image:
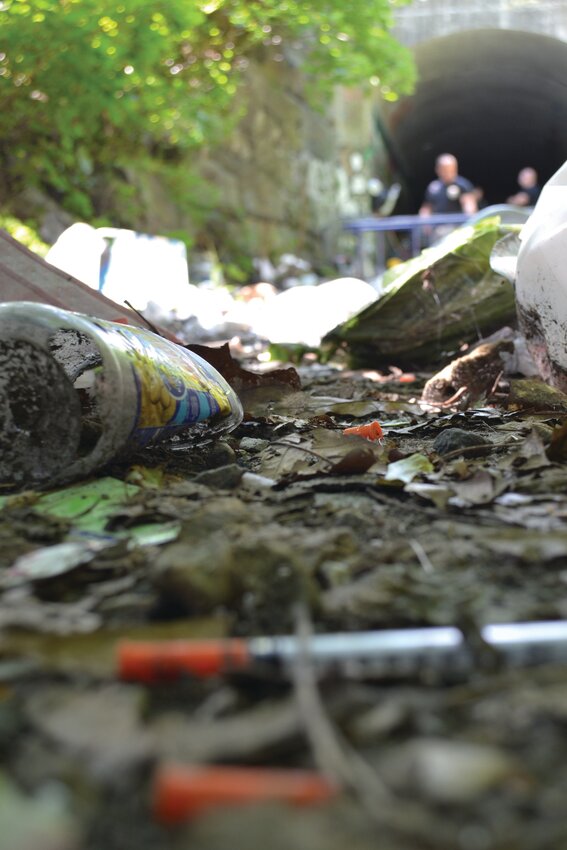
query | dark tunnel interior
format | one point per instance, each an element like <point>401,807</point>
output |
<point>497,99</point>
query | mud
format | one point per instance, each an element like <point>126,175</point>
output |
<point>40,415</point>
<point>75,352</point>
<point>551,371</point>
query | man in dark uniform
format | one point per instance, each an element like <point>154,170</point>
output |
<point>450,193</point>
<point>529,189</point>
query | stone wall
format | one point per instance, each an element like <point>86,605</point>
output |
<point>285,176</point>
<point>426,19</point>
<point>283,181</point>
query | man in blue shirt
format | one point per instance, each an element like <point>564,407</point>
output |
<point>529,189</point>
<point>450,193</point>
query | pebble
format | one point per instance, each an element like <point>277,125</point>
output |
<point>253,444</point>
<point>223,477</point>
<point>452,439</point>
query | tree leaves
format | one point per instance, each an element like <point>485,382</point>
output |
<point>115,84</point>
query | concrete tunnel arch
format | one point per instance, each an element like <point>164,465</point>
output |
<point>497,99</point>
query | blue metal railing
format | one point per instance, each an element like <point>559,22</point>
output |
<point>415,224</point>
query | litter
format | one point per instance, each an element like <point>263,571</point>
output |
<point>385,653</point>
<point>371,431</point>
<point>76,392</point>
<point>123,264</point>
<point>305,314</point>
<point>431,304</point>
<point>24,276</point>
<point>183,791</point>
<point>541,281</point>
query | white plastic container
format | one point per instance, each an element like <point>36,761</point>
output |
<point>541,281</point>
<point>77,392</point>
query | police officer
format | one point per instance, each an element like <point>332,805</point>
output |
<point>450,193</point>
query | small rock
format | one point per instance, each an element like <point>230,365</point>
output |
<point>198,576</point>
<point>41,820</point>
<point>445,771</point>
<point>452,439</point>
<point>253,445</point>
<point>221,478</point>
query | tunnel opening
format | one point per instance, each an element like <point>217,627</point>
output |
<point>497,99</point>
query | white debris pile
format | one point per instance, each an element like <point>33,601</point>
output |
<point>126,266</point>
<point>78,251</point>
<point>305,314</point>
<point>290,305</point>
<point>288,272</point>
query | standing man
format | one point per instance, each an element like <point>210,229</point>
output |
<point>529,189</point>
<point>450,193</point>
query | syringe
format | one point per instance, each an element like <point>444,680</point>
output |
<point>380,653</point>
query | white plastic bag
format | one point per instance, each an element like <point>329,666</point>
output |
<point>541,281</point>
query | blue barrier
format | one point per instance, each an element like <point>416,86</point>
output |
<point>389,224</point>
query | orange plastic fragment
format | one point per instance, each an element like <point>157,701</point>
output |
<point>184,791</point>
<point>371,431</point>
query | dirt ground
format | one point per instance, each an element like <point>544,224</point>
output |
<point>456,517</point>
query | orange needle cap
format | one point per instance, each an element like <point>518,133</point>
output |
<point>181,792</point>
<point>154,661</point>
<point>371,431</point>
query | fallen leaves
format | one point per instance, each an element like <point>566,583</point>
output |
<point>288,509</point>
<point>239,378</point>
<point>408,468</point>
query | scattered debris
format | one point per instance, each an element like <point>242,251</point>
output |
<point>181,792</point>
<point>432,304</point>
<point>304,314</point>
<point>449,522</point>
<point>24,276</point>
<point>371,431</point>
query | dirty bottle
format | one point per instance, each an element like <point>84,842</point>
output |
<point>77,392</point>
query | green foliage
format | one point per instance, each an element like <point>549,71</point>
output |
<point>237,273</point>
<point>87,85</point>
<point>24,233</point>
